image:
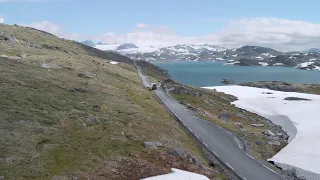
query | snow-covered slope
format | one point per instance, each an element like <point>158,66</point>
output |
<point>177,174</point>
<point>309,66</point>
<point>185,52</point>
<point>304,150</point>
<point>192,52</point>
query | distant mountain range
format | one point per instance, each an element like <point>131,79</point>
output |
<point>244,56</point>
<point>88,43</point>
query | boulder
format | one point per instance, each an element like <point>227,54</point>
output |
<point>259,143</point>
<point>81,90</point>
<point>188,105</point>
<point>158,144</point>
<point>224,116</point>
<point>241,116</point>
<point>227,81</point>
<point>279,134</point>
<point>277,143</point>
<point>152,145</point>
<point>83,75</point>
<point>3,38</point>
<point>239,124</point>
<point>266,92</point>
<point>59,178</point>
<point>271,133</point>
<point>149,145</point>
<point>194,109</point>
<point>296,99</point>
<point>257,125</point>
<point>97,106</point>
<point>291,175</point>
<point>244,130</point>
<point>180,153</point>
<point>92,120</point>
<point>268,133</point>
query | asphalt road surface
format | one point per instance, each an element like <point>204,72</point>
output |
<point>220,142</point>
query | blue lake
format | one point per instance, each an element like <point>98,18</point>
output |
<point>211,73</point>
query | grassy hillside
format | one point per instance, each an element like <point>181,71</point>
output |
<point>66,112</point>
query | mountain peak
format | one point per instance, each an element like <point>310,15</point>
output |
<point>100,43</point>
<point>314,50</point>
<point>127,46</point>
<point>88,43</point>
<point>257,49</point>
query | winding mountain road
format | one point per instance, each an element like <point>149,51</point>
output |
<point>220,142</point>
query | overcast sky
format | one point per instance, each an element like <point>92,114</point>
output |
<point>284,25</point>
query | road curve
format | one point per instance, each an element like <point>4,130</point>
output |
<point>220,142</point>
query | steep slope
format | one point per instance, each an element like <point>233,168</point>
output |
<point>66,112</point>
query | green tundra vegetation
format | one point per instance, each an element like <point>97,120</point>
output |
<point>66,112</point>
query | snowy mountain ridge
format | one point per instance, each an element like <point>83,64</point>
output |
<point>243,56</point>
<point>189,52</point>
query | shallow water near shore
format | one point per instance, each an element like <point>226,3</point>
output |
<point>211,73</point>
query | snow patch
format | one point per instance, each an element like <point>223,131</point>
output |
<point>177,174</point>
<point>278,64</point>
<point>114,62</point>
<point>265,54</point>
<point>259,57</point>
<point>304,150</point>
<point>107,47</point>
<point>150,59</point>
<point>232,62</point>
<point>304,65</point>
<point>146,49</point>
<point>307,66</point>
<point>263,64</point>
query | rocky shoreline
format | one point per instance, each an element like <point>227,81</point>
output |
<point>285,87</point>
<point>302,65</point>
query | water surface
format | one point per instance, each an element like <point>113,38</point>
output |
<point>211,73</point>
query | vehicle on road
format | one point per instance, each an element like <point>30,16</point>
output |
<point>153,86</point>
